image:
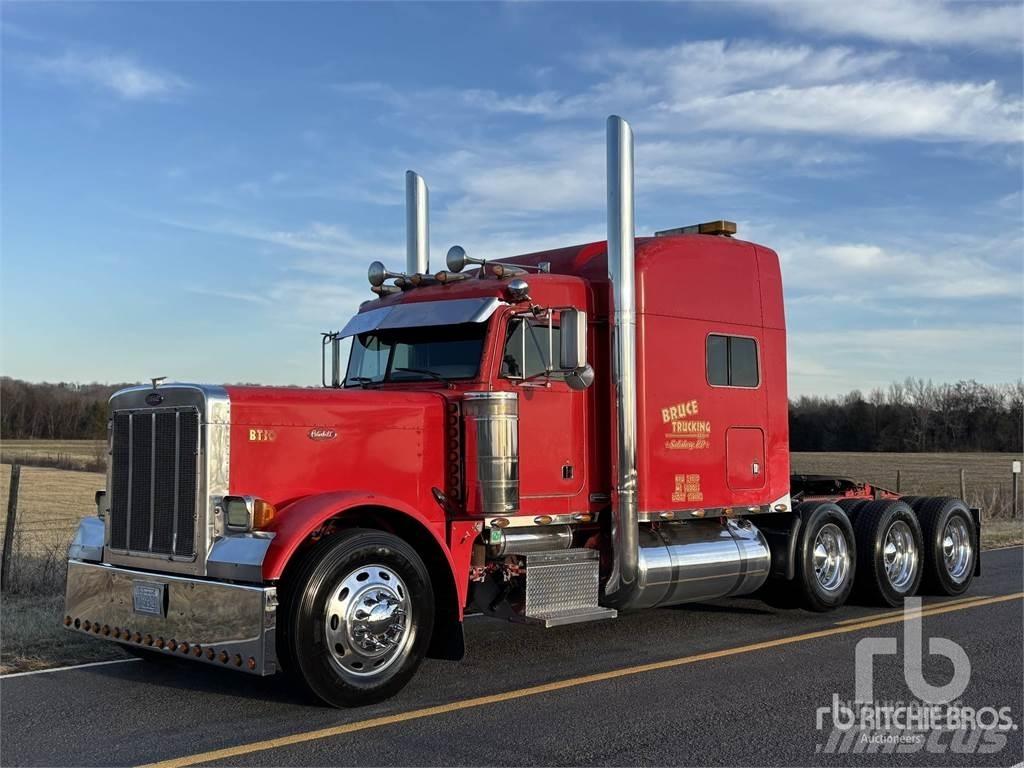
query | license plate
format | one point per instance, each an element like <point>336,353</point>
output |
<point>148,598</point>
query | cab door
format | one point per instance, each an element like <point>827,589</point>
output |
<point>552,419</point>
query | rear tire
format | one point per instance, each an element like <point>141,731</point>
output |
<point>889,552</point>
<point>359,617</point>
<point>852,506</point>
<point>826,556</point>
<point>950,545</point>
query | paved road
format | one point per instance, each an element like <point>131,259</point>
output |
<point>734,682</point>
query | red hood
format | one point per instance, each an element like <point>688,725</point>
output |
<point>289,443</point>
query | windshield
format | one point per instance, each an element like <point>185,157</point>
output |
<point>436,352</point>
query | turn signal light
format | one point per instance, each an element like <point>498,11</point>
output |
<point>248,513</point>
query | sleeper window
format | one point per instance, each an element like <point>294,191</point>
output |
<point>732,361</point>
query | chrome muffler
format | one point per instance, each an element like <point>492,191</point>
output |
<point>690,562</point>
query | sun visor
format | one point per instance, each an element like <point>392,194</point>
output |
<point>422,313</point>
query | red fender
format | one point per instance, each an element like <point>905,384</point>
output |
<point>299,520</point>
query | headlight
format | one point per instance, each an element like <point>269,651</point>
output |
<point>247,513</point>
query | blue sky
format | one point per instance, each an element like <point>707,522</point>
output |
<point>195,190</point>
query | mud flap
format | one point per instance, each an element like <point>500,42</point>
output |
<point>976,514</point>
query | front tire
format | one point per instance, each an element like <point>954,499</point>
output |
<point>359,618</point>
<point>889,552</point>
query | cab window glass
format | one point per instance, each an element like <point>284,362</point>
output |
<point>526,349</point>
<point>732,361</point>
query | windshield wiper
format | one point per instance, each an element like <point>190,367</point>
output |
<point>425,372</point>
<point>362,381</point>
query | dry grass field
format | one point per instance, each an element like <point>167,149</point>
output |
<point>987,475</point>
<point>63,454</point>
<point>51,501</point>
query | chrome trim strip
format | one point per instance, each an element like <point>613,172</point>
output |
<point>131,465</point>
<point>523,521</point>
<point>698,513</point>
<point>177,468</point>
<point>152,476</point>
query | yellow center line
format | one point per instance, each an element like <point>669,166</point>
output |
<point>899,612</point>
<point>572,682</point>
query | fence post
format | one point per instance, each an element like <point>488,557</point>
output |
<point>963,484</point>
<point>1016,474</point>
<point>12,512</point>
<point>898,483</point>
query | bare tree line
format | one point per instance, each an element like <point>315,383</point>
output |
<point>63,411</point>
<point>911,416</point>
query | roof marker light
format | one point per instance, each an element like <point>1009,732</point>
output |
<point>719,227</point>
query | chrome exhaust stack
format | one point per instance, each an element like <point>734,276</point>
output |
<point>686,562</point>
<point>417,225</point>
<point>622,581</point>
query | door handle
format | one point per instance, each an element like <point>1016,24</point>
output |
<point>755,468</point>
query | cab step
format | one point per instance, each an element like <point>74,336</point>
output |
<point>562,588</point>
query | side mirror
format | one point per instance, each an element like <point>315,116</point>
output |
<point>573,354</point>
<point>580,378</point>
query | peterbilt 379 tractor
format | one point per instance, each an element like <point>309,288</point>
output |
<point>547,439</point>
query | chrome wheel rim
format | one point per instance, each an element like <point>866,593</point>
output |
<point>831,558</point>
<point>899,556</point>
<point>957,549</point>
<point>368,622</point>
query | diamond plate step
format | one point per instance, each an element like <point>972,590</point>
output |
<point>562,588</point>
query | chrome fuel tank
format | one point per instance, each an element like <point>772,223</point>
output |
<point>701,560</point>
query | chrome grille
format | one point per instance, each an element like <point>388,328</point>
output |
<point>154,481</point>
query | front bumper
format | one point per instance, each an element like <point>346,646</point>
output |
<point>229,625</point>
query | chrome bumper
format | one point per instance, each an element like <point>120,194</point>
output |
<point>229,625</point>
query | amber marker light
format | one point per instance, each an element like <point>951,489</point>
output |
<point>248,513</point>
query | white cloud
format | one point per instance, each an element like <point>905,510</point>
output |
<point>120,74</point>
<point>907,109</point>
<point>917,22</point>
<point>934,271</point>
<point>749,87</point>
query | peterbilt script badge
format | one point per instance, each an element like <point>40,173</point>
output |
<point>154,398</point>
<point>322,433</point>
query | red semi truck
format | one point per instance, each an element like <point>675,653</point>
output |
<point>547,439</point>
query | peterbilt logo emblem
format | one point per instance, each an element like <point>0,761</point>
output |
<point>322,433</point>
<point>154,398</point>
